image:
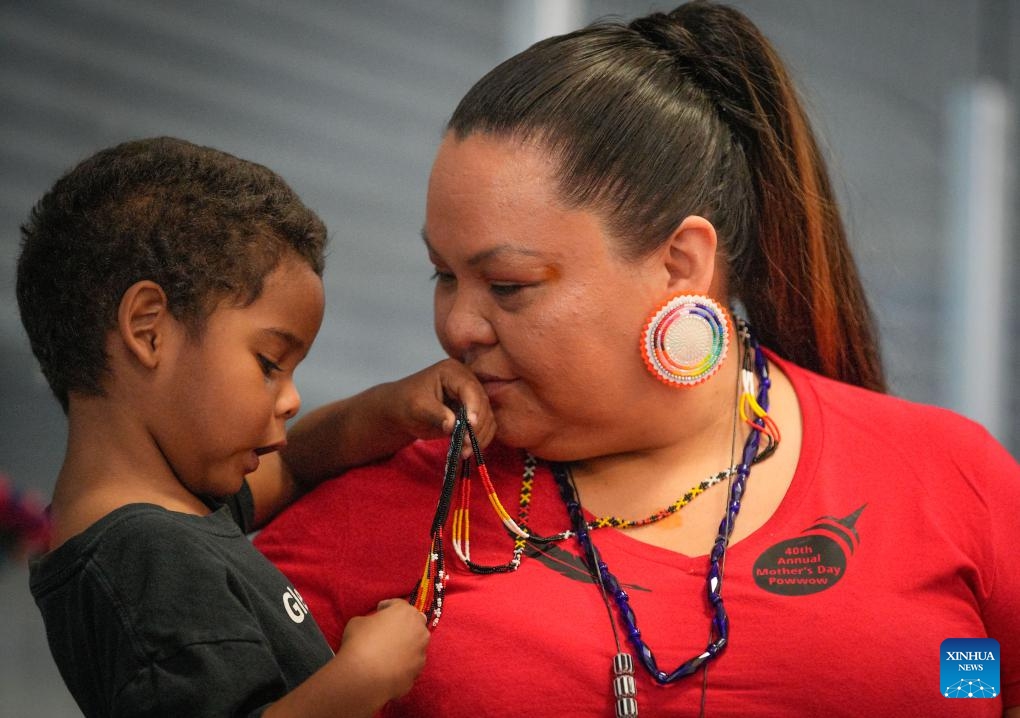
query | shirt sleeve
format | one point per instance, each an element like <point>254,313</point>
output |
<point>304,542</point>
<point>182,684</point>
<point>1001,477</point>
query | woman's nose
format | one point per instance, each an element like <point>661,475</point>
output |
<point>461,324</point>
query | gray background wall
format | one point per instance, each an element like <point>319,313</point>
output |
<point>347,101</point>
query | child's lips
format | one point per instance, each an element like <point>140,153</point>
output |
<point>252,461</point>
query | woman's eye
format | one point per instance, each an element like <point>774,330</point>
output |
<point>441,277</point>
<point>268,366</point>
<point>506,290</point>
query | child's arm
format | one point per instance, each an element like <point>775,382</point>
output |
<point>368,426</point>
<point>379,659</point>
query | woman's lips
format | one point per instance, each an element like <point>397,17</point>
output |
<point>494,385</point>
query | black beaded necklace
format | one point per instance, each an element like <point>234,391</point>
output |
<point>428,595</point>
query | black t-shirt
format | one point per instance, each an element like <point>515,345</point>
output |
<point>157,613</point>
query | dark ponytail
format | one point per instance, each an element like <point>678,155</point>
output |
<point>692,112</point>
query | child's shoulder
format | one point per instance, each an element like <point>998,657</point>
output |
<point>141,523</point>
<point>153,606</point>
<point>134,539</point>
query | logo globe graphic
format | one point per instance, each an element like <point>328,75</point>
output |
<point>970,688</point>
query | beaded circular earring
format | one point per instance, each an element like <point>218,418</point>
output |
<point>685,340</point>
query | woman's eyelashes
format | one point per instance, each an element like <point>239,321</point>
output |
<point>507,289</point>
<point>440,276</point>
<point>501,289</point>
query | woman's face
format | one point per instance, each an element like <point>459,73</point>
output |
<point>536,300</point>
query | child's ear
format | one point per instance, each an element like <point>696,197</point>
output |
<point>143,320</point>
<point>690,256</point>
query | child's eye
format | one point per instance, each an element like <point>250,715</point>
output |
<point>268,366</point>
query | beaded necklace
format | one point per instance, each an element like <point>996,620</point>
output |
<point>602,522</point>
<point>519,529</point>
<point>623,684</point>
<point>750,411</point>
<point>428,594</point>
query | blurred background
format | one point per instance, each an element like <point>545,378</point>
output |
<point>914,100</point>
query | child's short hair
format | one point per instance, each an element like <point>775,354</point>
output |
<point>203,224</point>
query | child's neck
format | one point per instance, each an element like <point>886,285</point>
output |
<point>111,461</point>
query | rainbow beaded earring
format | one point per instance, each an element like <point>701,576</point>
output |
<point>685,341</point>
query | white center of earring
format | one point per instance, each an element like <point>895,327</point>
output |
<point>689,340</point>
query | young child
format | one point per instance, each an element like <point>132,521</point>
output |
<point>169,291</point>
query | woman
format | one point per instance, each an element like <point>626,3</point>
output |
<point>755,531</point>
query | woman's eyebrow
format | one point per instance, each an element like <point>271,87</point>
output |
<point>486,254</point>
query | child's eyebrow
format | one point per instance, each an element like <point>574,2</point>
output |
<point>290,338</point>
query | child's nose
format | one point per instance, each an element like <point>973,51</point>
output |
<point>289,401</point>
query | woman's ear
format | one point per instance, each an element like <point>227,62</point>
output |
<point>143,321</point>
<point>689,256</point>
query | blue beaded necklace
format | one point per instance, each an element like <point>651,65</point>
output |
<point>608,583</point>
<point>428,595</point>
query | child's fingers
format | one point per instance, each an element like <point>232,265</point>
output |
<point>425,416</point>
<point>402,602</point>
<point>485,429</point>
<point>460,384</point>
<point>445,419</point>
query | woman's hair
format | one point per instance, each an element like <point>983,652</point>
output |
<point>203,224</point>
<point>692,112</point>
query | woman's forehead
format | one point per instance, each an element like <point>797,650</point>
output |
<point>507,168</point>
<point>493,196</point>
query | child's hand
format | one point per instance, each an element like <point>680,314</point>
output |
<point>388,646</point>
<point>375,423</point>
<point>422,402</point>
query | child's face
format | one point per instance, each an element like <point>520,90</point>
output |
<point>227,395</point>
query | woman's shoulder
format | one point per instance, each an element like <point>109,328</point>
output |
<point>877,419</point>
<point>409,478</point>
<point>420,463</point>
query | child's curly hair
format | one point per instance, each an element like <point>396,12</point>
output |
<point>203,224</point>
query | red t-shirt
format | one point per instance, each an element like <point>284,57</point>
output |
<point>897,532</point>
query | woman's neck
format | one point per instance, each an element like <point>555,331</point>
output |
<point>709,438</point>
<point>688,429</point>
